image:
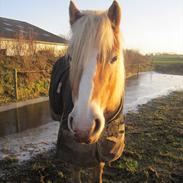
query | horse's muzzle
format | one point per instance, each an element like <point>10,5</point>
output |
<point>84,138</point>
<point>87,135</point>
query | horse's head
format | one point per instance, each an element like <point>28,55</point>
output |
<point>96,70</point>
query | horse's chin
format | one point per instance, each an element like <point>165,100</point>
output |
<point>90,140</point>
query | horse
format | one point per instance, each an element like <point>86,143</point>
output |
<point>91,92</point>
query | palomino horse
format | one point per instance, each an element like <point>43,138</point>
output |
<point>92,129</point>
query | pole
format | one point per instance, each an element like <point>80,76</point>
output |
<point>15,85</point>
<point>138,69</point>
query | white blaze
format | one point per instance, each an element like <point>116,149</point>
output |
<point>85,110</point>
<point>83,115</point>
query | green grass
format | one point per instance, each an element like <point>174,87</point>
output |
<point>167,59</point>
<point>168,64</point>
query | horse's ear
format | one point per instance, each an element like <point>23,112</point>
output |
<point>114,14</point>
<point>74,13</point>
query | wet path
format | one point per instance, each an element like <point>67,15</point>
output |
<point>149,85</point>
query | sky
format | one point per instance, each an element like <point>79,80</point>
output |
<point>150,26</point>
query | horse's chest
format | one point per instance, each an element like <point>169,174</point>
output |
<point>108,148</point>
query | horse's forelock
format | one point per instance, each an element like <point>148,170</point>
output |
<point>93,30</point>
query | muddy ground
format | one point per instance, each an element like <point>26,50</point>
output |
<point>153,152</point>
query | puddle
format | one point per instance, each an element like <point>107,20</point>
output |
<point>149,85</point>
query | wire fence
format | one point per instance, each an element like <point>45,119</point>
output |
<point>137,68</point>
<point>12,78</point>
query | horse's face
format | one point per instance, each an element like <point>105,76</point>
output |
<point>97,72</point>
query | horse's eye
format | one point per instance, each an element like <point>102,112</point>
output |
<point>114,59</point>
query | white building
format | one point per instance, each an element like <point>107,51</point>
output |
<point>21,38</point>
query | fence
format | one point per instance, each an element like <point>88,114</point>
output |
<point>137,68</point>
<point>16,79</point>
<point>132,69</point>
<point>13,73</point>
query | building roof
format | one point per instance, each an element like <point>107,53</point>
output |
<point>12,29</point>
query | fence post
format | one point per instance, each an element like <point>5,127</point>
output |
<point>15,84</point>
<point>138,69</point>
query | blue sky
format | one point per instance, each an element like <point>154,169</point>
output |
<point>148,26</point>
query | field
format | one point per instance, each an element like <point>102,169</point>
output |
<point>153,152</point>
<point>165,58</point>
<point>168,64</point>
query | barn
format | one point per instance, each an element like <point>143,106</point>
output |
<point>22,38</point>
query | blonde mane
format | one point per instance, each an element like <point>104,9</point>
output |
<point>92,31</point>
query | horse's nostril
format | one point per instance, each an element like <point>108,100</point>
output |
<point>96,126</point>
